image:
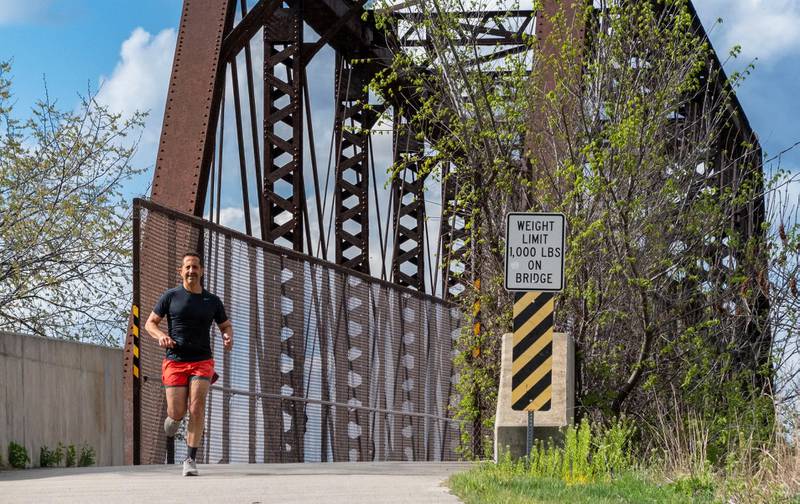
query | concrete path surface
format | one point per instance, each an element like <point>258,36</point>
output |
<point>355,483</point>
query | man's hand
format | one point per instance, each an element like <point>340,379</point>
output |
<point>226,329</point>
<point>165,341</point>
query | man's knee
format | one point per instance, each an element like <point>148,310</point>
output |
<point>197,408</point>
<point>176,407</point>
<point>176,411</point>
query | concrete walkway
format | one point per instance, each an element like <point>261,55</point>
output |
<point>341,483</point>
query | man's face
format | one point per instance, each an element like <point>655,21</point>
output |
<point>191,271</point>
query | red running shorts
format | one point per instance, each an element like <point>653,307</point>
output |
<point>178,374</point>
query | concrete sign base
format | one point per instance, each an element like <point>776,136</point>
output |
<point>510,427</point>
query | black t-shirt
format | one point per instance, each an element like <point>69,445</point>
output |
<point>189,318</point>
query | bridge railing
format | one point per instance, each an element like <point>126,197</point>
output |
<point>328,364</point>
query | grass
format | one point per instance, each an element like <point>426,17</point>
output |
<point>487,484</point>
<point>597,465</point>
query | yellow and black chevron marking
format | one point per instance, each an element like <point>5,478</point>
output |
<point>531,371</point>
<point>135,330</point>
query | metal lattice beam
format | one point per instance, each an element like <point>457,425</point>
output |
<point>283,128</point>
<point>487,28</point>
<point>352,123</point>
<point>454,236</point>
<point>408,261</point>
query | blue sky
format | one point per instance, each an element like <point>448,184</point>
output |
<point>124,49</point>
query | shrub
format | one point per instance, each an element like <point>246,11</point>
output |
<point>70,456</point>
<point>17,455</point>
<point>586,456</point>
<point>51,458</point>
<point>59,453</point>
<point>87,457</point>
<point>612,454</point>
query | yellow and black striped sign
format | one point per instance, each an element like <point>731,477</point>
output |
<point>532,367</point>
<point>135,330</point>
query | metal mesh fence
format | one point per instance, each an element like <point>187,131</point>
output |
<point>328,364</point>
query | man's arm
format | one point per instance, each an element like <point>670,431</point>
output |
<point>164,341</point>
<point>226,328</point>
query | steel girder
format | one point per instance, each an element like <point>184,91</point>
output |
<point>207,40</point>
<point>283,127</point>
<point>193,98</point>
<point>197,85</point>
<point>408,186</point>
<point>352,122</point>
<point>454,236</point>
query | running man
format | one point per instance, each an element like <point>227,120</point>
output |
<point>188,369</point>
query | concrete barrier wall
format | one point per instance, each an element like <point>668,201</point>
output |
<point>55,391</point>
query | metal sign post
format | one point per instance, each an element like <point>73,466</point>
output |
<point>535,271</point>
<point>530,434</point>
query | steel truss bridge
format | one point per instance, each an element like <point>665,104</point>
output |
<point>273,164</point>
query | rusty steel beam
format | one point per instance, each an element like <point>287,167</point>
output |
<point>247,27</point>
<point>453,236</point>
<point>473,22</point>
<point>355,36</point>
<point>338,22</point>
<point>283,128</point>
<point>284,196</point>
<point>408,186</point>
<point>207,38</point>
<point>352,122</point>
<point>193,98</point>
<point>325,37</point>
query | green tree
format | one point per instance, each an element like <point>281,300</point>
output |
<point>668,296</point>
<point>64,227</point>
<point>471,108</point>
<point>623,120</point>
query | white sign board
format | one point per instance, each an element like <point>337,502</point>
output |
<point>535,251</point>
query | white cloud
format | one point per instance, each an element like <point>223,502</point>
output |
<point>16,11</point>
<point>233,218</point>
<point>766,29</point>
<point>139,83</point>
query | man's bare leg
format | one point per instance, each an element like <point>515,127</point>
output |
<point>198,390</point>
<point>176,408</point>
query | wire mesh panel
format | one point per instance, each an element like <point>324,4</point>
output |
<point>328,364</point>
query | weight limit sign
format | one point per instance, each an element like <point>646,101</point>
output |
<point>535,252</point>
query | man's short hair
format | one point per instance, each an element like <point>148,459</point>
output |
<point>193,254</point>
